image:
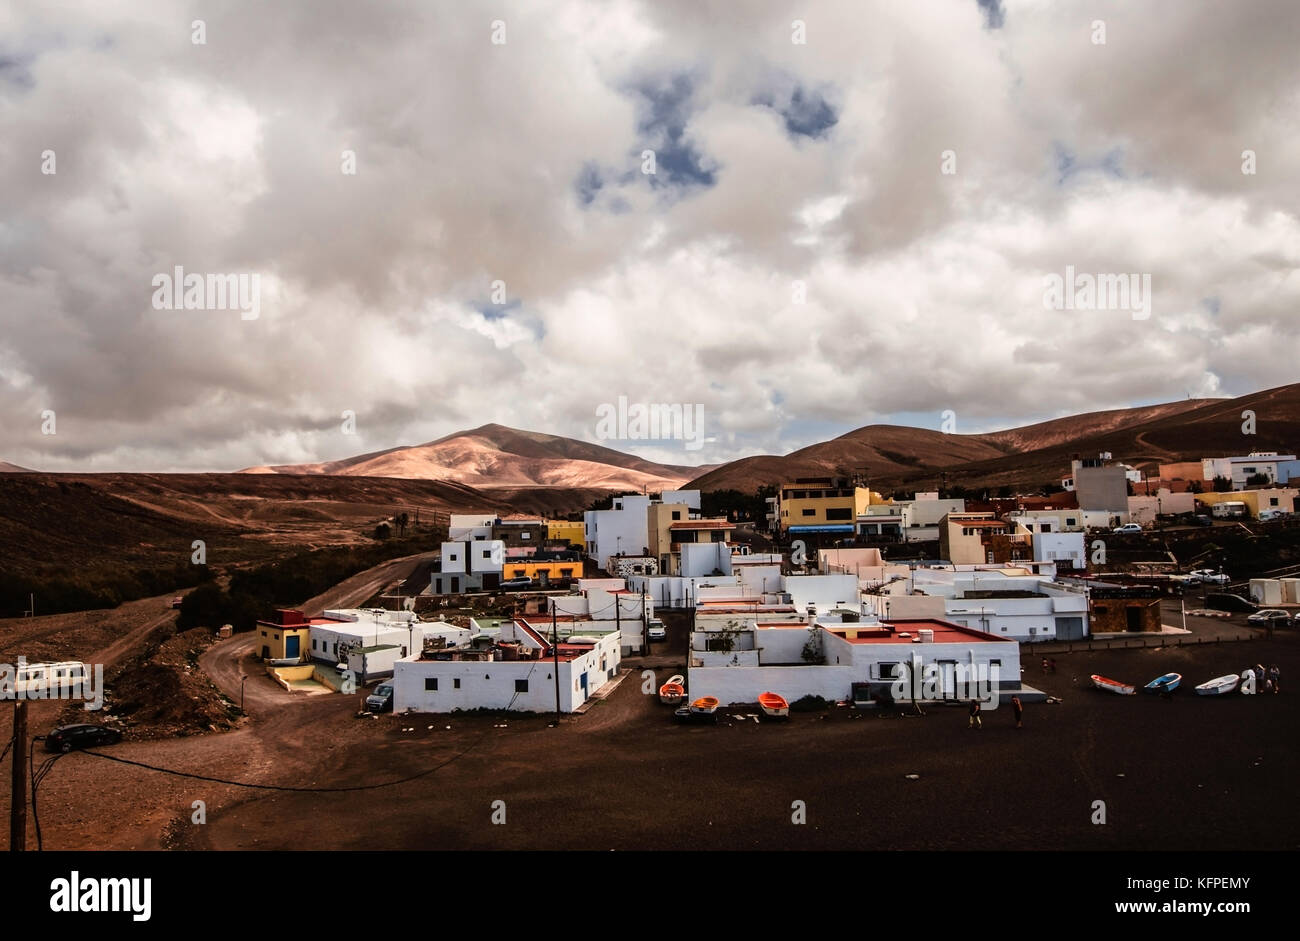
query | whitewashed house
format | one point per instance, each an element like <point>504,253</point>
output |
<point>516,669</point>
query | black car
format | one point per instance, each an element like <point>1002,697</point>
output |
<point>1200,520</point>
<point>67,737</point>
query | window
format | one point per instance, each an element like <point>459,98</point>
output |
<point>431,683</point>
<point>456,683</point>
<point>809,512</point>
<point>525,535</point>
<point>452,557</point>
<point>839,513</point>
<point>521,686</point>
<point>263,633</point>
<point>886,670</point>
<point>677,514</point>
<point>487,553</point>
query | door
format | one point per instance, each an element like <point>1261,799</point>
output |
<point>584,686</point>
<point>1069,628</point>
<point>291,646</point>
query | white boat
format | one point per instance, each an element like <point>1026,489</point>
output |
<point>1112,686</point>
<point>1219,686</point>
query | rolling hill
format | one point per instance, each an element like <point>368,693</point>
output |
<point>892,456</point>
<point>494,456</point>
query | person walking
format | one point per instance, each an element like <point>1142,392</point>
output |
<point>1044,664</point>
<point>974,722</point>
<point>1018,711</point>
<point>1275,675</point>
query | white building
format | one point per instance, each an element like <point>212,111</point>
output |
<point>467,527</point>
<point>1012,602</point>
<point>1240,469</point>
<point>850,660</point>
<point>624,529</point>
<point>367,640</point>
<point>516,670</point>
<point>611,603</point>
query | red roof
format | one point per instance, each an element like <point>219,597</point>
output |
<point>945,632</point>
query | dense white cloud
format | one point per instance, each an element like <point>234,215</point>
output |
<point>521,163</point>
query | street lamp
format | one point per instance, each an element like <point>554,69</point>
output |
<point>243,678</point>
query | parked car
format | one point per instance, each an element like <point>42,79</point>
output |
<point>655,630</point>
<point>177,602</point>
<point>1127,528</point>
<point>1266,615</point>
<point>1201,519</point>
<point>381,700</point>
<point>1210,576</point>
<point>1226,601</point>
<point>522,581</point>
<point>67,737</point>
<point>1266,515</point>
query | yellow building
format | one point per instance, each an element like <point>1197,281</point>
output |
<point>285,638</point>
<point>962,537</point>
<point>574,533</point>
<point>1274,498</point>
<point>526,568</point>
<point>659,520</point>
<point>824,501</point>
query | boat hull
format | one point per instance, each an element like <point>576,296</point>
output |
<point>1167,683</point>
<point>1112,686</point>
<point>774,706</point>
<point>705,704</point>
<point>1219,686</point>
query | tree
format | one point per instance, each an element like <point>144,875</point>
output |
<point>1222,485</point>
<point>1258,480</point>
<point>382,531</point>
<point>402,520</point>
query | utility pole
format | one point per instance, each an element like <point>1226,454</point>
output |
<point>555,653</point>
<point>618,622</point>
<point>18,793</point>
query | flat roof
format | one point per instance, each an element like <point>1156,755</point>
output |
<point>702,524</point>
<point>887,632</point>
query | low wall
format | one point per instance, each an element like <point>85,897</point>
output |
<point>742,685</point>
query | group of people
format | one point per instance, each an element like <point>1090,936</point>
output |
<point>1270,680</point>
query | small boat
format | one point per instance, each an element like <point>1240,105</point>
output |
<point>705,704</point>
<point>774,706</point>
<point>673,692</point>
<point>1219,686</point>
<point>1164,684</point>
<point>1112,686</point>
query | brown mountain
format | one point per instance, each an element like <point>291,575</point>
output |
<point>7,468</point>
<point>892,456</point>
<point>496,456</point>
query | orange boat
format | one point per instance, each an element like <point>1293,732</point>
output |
<point>707,704</point>
<point>774,706</point>
<point>673,692</point>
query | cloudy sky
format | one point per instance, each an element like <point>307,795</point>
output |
<point>799,262</point>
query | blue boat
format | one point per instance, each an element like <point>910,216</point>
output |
<point>1164,684</point>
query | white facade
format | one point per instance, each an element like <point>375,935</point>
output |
<point>1241,469</point>
<point>772,659</point>
<point>526,684</point>
<point>467,527</point>
<point>483,556</point>
<point>1053,611</point>
<point>624,529</point>
<point>621,530</point>
<point>357,628</point>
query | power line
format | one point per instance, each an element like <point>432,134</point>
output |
<point>289,787</point>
